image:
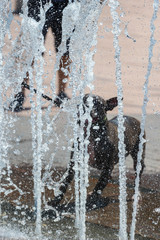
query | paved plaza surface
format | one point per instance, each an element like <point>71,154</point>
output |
<point>134,60</point>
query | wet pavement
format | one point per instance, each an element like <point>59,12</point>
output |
<point>61,123</point>
<point>104,213</point>
<point>102,222</point>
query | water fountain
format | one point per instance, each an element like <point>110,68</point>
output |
<point>23,205</point>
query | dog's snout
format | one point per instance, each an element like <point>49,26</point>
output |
<point>93,113</point>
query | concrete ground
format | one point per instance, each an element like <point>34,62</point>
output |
<point>107,214</point>
<point>134,59</point>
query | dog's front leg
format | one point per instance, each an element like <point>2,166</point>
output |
<point>101,184</point>
<point>64,184</point>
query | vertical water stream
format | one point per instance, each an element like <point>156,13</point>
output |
<point>121,146</point>
<point>143,120</point>
<point>82,31</point>
<point>3,23</point>
<point>85,15</point>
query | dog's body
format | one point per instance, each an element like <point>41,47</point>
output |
<point>103,144</point>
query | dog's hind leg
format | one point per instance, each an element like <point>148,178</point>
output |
<point>134,155</point>
<point>64,184</point>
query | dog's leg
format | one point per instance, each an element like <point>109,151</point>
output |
<point>101,184</point>
<point>64,184</point>
<point>142,161</point>
<point>134,155</point>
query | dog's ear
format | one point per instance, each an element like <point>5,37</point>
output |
<point>111,103</point>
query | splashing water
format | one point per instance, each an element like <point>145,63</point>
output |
<point>121,146</point>
<point>84,17</point>
<point>5,19</point>
<point>2,35</point>
<point>34,30</point>
<point>86,14</point>
<point>145,100</point>
<point>31,31</point>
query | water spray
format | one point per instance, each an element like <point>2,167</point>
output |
<point>122,167</point>
<point>145,100</point>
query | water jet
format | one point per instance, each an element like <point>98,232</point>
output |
<point>35,143</point>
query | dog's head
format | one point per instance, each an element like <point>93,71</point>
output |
<point>99,107</point>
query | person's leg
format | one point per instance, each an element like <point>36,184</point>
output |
<point>33,12</point>
<point>64,65</point>
<point>18,7</point>
<point>62,80</point>
<point>16,104</point>
<point>54,20</point>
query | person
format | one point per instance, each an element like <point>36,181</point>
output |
<point>18,7</point>
<point>53,20</point>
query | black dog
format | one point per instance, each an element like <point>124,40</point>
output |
<point>103,144</point>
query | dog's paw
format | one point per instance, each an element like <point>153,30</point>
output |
<point>96,201</point>
<point>53,203</point>
<point>92,200</point>
<point>56,201</point>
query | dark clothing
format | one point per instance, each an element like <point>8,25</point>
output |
<point>34,7</point>
<point>53,18</point>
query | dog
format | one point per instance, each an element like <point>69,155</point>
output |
<point>103,144</point>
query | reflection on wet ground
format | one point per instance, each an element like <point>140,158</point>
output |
<point>102,218</point>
